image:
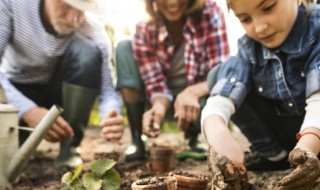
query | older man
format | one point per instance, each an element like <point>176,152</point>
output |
<point>52,53</point>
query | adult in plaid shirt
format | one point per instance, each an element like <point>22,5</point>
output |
<point>167,62</point>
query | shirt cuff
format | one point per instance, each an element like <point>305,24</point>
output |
<point>312,119</point>
<point>217,105</point>
<point>169,96</point>
<point>107,106</point>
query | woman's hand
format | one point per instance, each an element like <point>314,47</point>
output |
<point>153,118</point>
<point>112,126</point>
<point>306,175</point>
<point>59,131</point>
<point>186,108</point>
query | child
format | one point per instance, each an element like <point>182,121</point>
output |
<point>168,59</point>
<point>271,91</point>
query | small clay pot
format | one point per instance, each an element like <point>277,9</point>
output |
<point>155,183</point>
<point>162,158</point>
<point>190,180</point>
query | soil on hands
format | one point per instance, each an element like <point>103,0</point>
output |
<point>40,174</point>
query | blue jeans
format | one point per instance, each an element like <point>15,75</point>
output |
<point>80,65</point>
<point>257,118</point>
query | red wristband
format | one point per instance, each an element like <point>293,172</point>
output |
<point>299,135</point>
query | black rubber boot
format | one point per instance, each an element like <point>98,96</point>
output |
<point>192,142</point>
<point>77,105</point>
<point>136,151</point>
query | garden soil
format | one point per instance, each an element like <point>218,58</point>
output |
<point>39,174</point>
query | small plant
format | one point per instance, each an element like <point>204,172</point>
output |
<point>101,176</point>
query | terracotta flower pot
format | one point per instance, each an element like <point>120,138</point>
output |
<point>190,180</point>
<point>162,159</point>
<point>155,183</point>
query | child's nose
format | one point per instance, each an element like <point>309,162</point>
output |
<point>260,27</point>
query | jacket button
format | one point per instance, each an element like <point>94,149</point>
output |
<point>260,89</point>
<point>290,104</point>
<point>233,80</point>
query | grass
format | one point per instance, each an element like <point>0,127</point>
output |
<point>94,120</point>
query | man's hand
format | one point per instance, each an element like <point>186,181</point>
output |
<point>306,175</point>
<point>59,131</point>
<point>225,175</point>
<point>112,126</point>
<point>186,108</point>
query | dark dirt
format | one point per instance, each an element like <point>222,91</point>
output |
<point>149,181</point>
<point>189,174</point>
<point>40,174</point>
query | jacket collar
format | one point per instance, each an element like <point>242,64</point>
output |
<point>295,40</point>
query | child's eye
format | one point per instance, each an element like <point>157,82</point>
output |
<point>244,20</point>
<point>269,8</point>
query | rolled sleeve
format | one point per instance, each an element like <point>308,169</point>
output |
<point>313,79</point>
<point>233,79</point>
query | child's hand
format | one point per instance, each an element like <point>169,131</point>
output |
<point>306,175</point>
<point>225,174</point>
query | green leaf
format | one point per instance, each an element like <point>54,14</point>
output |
<point>90,182</point>
<point>112,180</point>
<point>67,178</point>
<point>77,172</point>
<point>100,167</point>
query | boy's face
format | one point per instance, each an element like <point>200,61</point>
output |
<point>266,21</point>
<point>63,17</point>
<point>172,10</point>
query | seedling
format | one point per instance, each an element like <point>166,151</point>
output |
<point>101,176</point>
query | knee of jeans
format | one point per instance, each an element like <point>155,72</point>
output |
<point>83,62</point>
<point>123,46</point>
<point>85,51</point>
<point>124,53</point>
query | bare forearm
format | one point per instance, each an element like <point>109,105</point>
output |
<point>310,141</point>
<point>220,138</point>
<point>161,101</point>
<point>200,89</point>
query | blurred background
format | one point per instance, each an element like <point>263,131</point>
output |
<point>120,19</point>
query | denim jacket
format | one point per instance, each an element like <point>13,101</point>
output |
<point>286,76</point>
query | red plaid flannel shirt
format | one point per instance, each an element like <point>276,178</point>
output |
<point>205,45</point>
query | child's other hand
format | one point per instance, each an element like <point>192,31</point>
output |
<point>306,175</point>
